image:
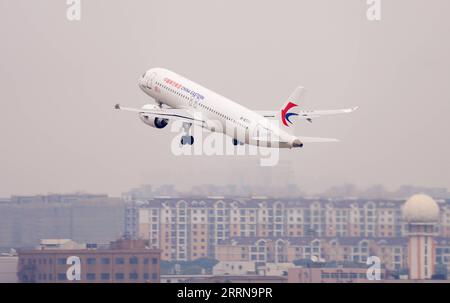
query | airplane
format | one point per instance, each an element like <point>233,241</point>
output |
<point>180,99</point>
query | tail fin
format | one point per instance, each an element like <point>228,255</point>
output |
<point>293,101</point>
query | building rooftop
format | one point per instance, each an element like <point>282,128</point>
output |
<point>67,245</point>
<point>303,241</point>
<point>212,202</point>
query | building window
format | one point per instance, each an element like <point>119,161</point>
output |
<point>61,261</point>
<point>133,276</point>
<point>90,261</point>
<point>145,260</point>
<point>105,261</point>
<point>90,276</point>
<point>105,276</point>
<point>134,260</point>
<point>154,276</point>
<point>120,261</point>
<point>119,276</point>
<point>146,276</point>
<point>61,277</point>
<point>154,261</point>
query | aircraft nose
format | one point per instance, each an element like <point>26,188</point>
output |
<point>142,81</point>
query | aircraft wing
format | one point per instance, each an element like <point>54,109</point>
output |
<point>299,141</point>
<point>165,113</point>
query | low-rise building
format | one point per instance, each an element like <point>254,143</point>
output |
<point>123,261</point>
<point>331,274</point>
<point>8,268</point>
<point>251,268</point>
<point>234,268</point>
<point>238,279</point>
<point>181,278</point>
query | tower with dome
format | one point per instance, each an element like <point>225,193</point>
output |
<point>421,214</point>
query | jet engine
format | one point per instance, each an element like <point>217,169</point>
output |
<point>154,121</point>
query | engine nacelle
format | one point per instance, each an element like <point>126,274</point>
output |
<point>154,121</point>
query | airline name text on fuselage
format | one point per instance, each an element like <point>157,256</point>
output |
<point>183,88</point>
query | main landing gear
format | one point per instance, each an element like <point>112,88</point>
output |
<point>236,142</point>
<point>187,139</point>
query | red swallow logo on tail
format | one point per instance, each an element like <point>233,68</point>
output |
<point>286,115</point>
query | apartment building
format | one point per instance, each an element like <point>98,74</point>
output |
<point>85,218</point>
<point>227,229</point>
<point>280,250</point>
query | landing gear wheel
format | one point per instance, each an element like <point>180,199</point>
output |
<point>236,142</point>
<point>187,140</point>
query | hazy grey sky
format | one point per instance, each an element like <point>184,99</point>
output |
<point>60,80</point>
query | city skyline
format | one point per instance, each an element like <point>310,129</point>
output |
<point>274,234</point>
<point>239,190</point>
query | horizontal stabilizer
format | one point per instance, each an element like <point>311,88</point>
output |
<point>319,113</point>
<point>316,140</point>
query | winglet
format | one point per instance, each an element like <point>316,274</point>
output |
<point>117,106</point>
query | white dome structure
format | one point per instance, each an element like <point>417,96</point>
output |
<point>421,213</point>
<point>420,209</point>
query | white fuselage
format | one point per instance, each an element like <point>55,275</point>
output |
<point>219,113</point>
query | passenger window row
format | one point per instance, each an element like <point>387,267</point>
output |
<point>202,105</point>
